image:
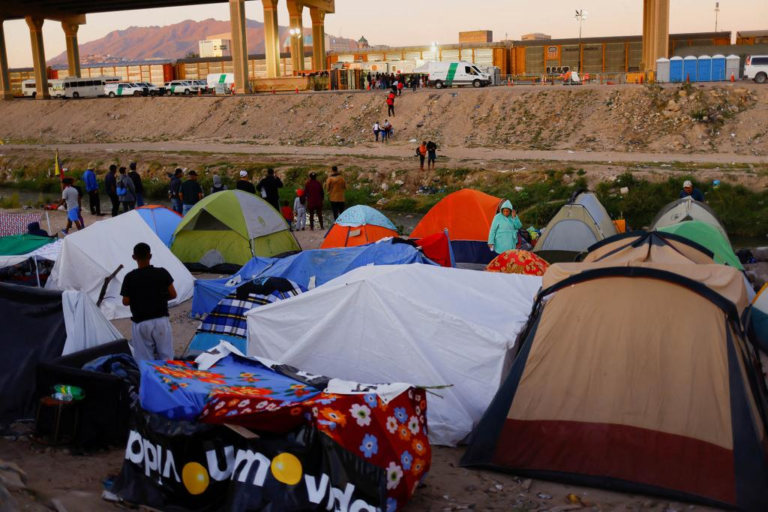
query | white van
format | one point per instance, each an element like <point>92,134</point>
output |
<point>179,87</point>
<point>756,68</point>
<point>29,88</point>
<point>221,83</point>
<point>124,89</point>
<point>447,74</point>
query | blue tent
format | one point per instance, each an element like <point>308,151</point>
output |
<point>162,221</point>
<point>362,215</point>
<point>308,269</point>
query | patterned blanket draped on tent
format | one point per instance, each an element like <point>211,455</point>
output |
<point>369,441</point>
<point>16,223</point>
<point>518,262</point>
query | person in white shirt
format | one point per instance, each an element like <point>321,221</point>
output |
<point>300,210</point>
<point>376,130</point>
<point>72,199</point>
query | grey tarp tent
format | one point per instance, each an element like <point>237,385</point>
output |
<point>688,209</point>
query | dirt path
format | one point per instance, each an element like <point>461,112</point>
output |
<point>401,150</point>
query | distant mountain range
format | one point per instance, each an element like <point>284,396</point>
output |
<point>171,42</point>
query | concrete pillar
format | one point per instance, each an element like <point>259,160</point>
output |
<point>73,50</point>
<point>655,33</point>
<point>318,38</point>
<point>239,46</point>
<point>5,82</point>
<point>38,56</point>
<point>646,33</point>
<point>271,38</point>
<point>296,12</point>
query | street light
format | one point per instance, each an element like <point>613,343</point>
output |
<point>295,32</point>
<point>581,15</point>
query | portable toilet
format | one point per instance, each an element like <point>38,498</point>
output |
<point>676,69</point>
<point>704,70</point>
<point>690,64</point>
<point>662,71</point>
<point>718,68</point>
<point>733,67</point>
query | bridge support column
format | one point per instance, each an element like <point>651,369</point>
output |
<point>271,38</point>
<point>239,46</point>
<point>73,50</point>
<point>38,56</point>
<point>655,33</point>
<point>296,12</point>
<point>5,83</point>
<point>318,38</point>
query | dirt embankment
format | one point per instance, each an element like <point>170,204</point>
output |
<point>732,118</point>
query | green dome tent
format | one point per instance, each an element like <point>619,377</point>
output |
<point>708,236</point>
<point>227,229</point>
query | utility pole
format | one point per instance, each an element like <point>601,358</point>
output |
<point>717,13</point>
<point>581,15</point>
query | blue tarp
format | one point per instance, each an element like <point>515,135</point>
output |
<point>322,264</point>
<point>362,215</point>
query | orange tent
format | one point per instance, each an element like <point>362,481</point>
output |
<point>467,215</point>
<point>352,236</point>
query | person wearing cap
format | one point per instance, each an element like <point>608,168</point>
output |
<point>190,192</point>
<point>689,191</point>
<point>300,210</point>
<point>92,188</point>
<point>173,191</point>
<point>137,184</point>
<point>244,184</point>
<point>313,191</point>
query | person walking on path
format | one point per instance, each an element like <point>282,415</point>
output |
<point>400,86</point>
<point>313,191</point>
<point>503,234</point>
<point>110,183</point>
<point>431,155</point>
<point>173,191</point>
<point>376,130</point>
<point>71,198</point>
<point>137,184</point>
<point>244,183</point>
<point>391,104</point>
<point>300,210</point>
<point>386,131</point>
<point>336,187</point>
<point>126,191</point>
<point>269,187</point>
<point>92,188</point>
<point>190,192</point>
<point>422,152</point>
<point>147,291</point>
<point>218,186</point>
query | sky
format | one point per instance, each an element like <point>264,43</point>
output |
<point>418,22</point>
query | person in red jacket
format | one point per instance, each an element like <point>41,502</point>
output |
<point>313,190</point>
<point>391,104</point>
<point>400,86</point>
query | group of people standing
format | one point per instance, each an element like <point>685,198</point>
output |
<point>396,81</point>
<point>309,200</point>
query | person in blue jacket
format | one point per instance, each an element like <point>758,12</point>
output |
<point>693,193</point>
<point>92,187</point>
<point>503,234</point>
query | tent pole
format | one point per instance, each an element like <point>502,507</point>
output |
<point>37,271</point>
<point>48,220</point>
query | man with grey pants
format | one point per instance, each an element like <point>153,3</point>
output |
<point>147,291</point>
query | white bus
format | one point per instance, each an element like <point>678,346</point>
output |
<point>73,87</point>
<point>29,88</point>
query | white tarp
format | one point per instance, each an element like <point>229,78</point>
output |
<point>89,256</point>
<point>86,326</point>
<point>47,252</point>
<point>427,325</point>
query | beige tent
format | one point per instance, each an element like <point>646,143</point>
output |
<point>688,209</point>
<point>649,247</point>
<point>581,223</point>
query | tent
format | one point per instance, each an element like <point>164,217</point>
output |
<point>518,262</point>
<point>16,245</point>
<point>162,220</point>
<point>708,236</point>
<point>225,230</point>
<point>227,320</point>
<point>635,378</point>
<point>687,209</point>
<point>582,222</point>
<point>41,325</point>
<point>308,269</point>
<point>358,225</point>
<point>759,318</point>
<point>467,215</point>
<point>90,256</point>
<point>649,247</point>
<point>426,324</point>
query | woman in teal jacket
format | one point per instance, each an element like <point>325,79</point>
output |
<point>503,235</point>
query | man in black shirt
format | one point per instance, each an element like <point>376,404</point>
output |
<point>269,187</point>
<point>245,185</point>
<point>147,291</point>
<point>136,178</point>
<point>173,192</point>
<point>110,183</point>
<point>190,192</point>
